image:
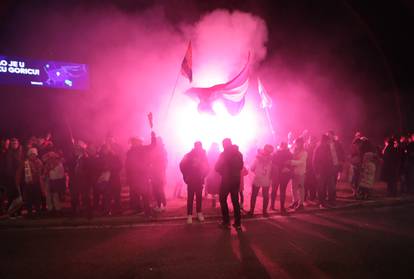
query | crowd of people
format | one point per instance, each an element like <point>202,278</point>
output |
<point>35,177</point>
<point>312,166</point>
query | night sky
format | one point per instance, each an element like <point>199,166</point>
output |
<point>368,44</point>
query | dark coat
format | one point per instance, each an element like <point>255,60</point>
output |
<point>194,167</point>
<point>229,166</point>
<point>280,162</point>
<point>322,160</point>
<point>138,162</point>
<point>392,161</point>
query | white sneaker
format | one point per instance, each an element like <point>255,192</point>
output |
<point>189,219</point>
<point>200,217</point>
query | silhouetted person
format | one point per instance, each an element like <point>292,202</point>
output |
<point>158,174</point>
<point>262,169</point>
<point>324,170</point>
<point>298,164</point>
<point>229,166</point>
<point>13,159</point>
<point>102,190</point>
<point>137,168</point>
<point>356,160</point>
<point>338,158</point>
<point>281,175</point>
<point>79,186</point>
<point>4,147</point>
<point>310,178</point>
<point>213,179</point>
<point>116,168</point>
<point>194,167</point>
<point>92,173</point>
<point>55,178</point>
<point>29,177</point>
<point>391,166</point>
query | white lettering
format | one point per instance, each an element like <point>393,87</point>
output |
<point>24,71</point>
<point>3,69</point>
<point>13,63</point>
<point>21,64</point>
<point>3,63</point>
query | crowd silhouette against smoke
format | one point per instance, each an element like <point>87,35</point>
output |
<point>316,78</point>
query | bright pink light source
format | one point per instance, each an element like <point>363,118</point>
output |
<point>190,126</point>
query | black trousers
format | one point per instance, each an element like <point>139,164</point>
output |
<point>197,191</point>
<point>102,196</point>
<point>116,195</point>
<point>282,182</point>
<point>158,191</point>
<point>78,191</point>
<point>392,186</point>
<point>233,190</point>
<point>326,186</point>
<point>255,192</point>
<point>140,194</point>
<point>115,191</point>
<point>310,186</point>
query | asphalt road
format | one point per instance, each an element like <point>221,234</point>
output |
<point>358,243</point>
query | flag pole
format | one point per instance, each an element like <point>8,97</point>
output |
<point>269,122</point>
<point>171,96</point>
<point>266,104</point>
<point>187,61</point>
<point>69,127</point>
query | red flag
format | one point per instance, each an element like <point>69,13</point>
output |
<point>187,64</point>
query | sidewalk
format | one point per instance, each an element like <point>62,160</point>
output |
<point>176,211</point>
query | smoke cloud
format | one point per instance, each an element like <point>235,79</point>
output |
<point>135,59</point>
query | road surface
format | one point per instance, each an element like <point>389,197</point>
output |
<point>357,243</point>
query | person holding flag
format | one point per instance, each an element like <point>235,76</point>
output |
<point>137,168</point>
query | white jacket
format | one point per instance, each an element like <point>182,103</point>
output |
<point>299,162</point>
<point>262,169</point>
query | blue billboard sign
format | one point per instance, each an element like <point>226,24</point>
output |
<point>41,73</point>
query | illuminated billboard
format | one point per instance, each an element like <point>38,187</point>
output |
<point>42,73</point>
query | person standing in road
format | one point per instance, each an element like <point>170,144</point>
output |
<point>262,169</point>
<point>194,167</point>
<point>137,167</point>
<point>229,166</point>
<point>324,170</point>
<point>281,175</point>
<point>299,169</point>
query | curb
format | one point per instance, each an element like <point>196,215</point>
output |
<point>134,221</point>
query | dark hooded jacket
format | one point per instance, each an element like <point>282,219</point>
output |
<point>229,166</point>
<point>194,167</point>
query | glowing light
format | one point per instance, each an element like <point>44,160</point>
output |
<point>190,125</point>
<point>209,75</point>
